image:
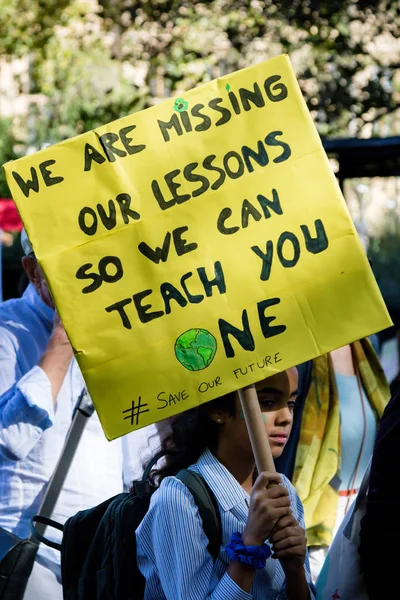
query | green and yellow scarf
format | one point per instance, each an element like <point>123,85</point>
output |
<point>318,450</point>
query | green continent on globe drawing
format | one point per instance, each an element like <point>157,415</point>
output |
<point>195,349</point>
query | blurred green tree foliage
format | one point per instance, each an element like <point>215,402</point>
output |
<point>8,144</point>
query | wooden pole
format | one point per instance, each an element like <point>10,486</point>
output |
<point>256,428</point>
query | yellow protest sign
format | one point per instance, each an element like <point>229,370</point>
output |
<point>197,247</point>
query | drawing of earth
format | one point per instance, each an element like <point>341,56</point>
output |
<point>195,349</point>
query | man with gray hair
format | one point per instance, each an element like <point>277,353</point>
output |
<point>40,383</point>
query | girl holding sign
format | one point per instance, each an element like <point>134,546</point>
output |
<point>171,543</point>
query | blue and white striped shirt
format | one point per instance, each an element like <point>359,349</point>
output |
<point>172,546</point>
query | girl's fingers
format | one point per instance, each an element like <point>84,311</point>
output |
<point>288,521</point>
<point>267,478</point>
<point>294,551</point>
<point>261,497</point>
<point>277,491</point>
<point>282,502</point>
<point>276,494</point>
<point>291,541</point>
<point>278,513</point>
<point>260,502</point>
<point>289,531</point>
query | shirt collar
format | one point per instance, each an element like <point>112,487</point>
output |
<point>225,487</point>
<point>44,312</point>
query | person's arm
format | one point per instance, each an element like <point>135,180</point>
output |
<point>289,545</point>
<point>57,357</point>
<point>26,400</point>
<point>290,548</point>
<point>172,550</point>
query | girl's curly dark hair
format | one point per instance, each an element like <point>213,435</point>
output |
<point>191,432</point>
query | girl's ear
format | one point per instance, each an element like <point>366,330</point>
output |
<point>218,416</point>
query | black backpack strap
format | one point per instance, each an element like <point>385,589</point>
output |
<point>48,523</point>
<point>82,412</point>
<point>208,509</point>
<point>142,487</point>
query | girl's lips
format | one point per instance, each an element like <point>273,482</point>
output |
<point>279,439</point>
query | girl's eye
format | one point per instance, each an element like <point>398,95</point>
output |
<point>267,403</point>
<point>292,405</point>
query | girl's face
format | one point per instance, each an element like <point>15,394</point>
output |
<point>277,396</point>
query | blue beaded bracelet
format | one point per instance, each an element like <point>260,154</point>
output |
<point>254,556</point>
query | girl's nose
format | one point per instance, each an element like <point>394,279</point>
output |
<point>284,416</point>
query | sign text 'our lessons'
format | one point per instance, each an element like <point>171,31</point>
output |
<point>232,165</point>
